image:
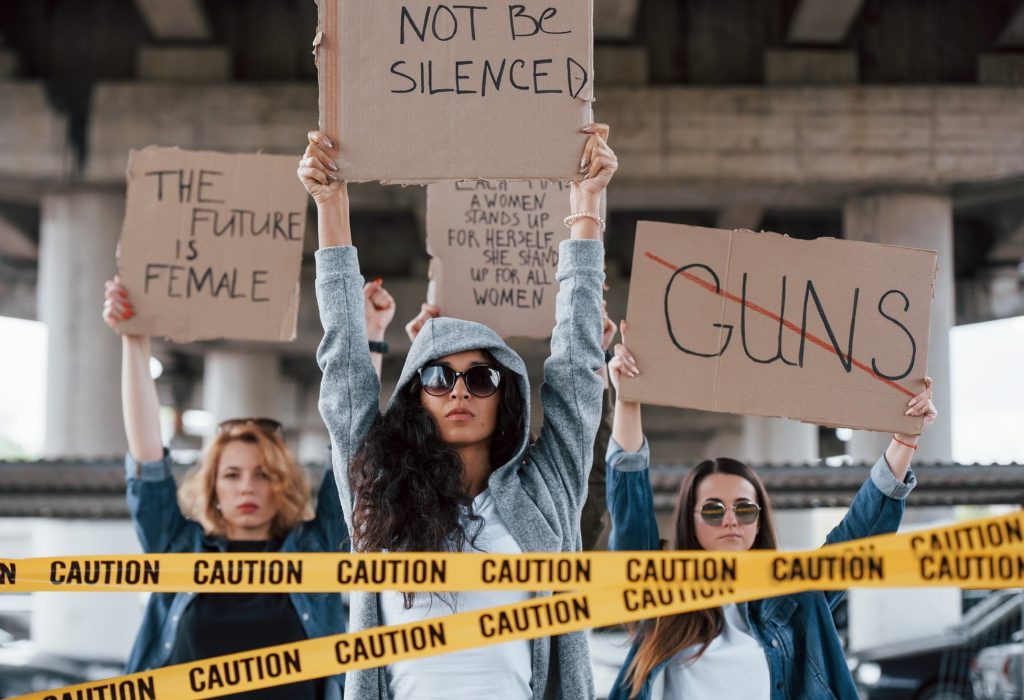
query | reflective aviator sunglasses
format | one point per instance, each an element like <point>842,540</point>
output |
<point>713,512</point>
<point>267,425</point>
<point>481,381</point>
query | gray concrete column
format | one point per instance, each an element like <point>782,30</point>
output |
<point>778,440</point>
<point>79,232</point>
<point>917,221</point>
<point>240,384</point>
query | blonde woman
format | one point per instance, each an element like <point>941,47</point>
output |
<point>248,494</point>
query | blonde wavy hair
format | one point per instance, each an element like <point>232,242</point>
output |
<point>289,482</point>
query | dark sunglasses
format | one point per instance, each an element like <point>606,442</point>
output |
<point>481,381</point>
<point>267,425</point>
<point>713,512</point>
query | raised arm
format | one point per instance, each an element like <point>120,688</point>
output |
<point>878,507</point>
<point>350,389</point>
<point>571,392</point>
<point>151,491</point>
<point>139,401</point>
<point>630,498</point>
<point>378,312</point>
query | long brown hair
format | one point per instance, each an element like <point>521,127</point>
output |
<point>662,638</point>
<point>288,482</point>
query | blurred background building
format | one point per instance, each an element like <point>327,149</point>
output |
<point>889,121</point>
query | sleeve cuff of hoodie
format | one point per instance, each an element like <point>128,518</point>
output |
<point>622,461</point>
<point>884,480</point>
<point>336,262</point>
<point>575,254</point>
<point>157,470</point>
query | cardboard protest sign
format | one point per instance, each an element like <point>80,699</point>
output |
<point>212,245</point>
<point>421,91</point>
<point>824,331</point>
<point>495,252</point>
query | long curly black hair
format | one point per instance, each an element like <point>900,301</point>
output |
<point>407,483</point>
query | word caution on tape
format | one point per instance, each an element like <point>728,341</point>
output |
<point>604,588</point>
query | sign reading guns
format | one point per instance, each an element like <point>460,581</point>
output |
<point>212,245</point>
<point>825,331</point>
<point>426,91</point>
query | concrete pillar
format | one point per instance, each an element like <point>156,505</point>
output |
<point>778,440</point>
<point>917,221</point>
<point>239,384</point>
<point>79,232</point>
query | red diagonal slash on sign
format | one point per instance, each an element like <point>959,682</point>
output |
<point>775,317</point>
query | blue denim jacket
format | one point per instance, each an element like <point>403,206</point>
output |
<point>163,529</point>
<point>797,632</point>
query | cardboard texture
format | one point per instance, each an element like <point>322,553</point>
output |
<point>847,346</point>
<point>421,91</point>
<point>494,248</point>
<point>211,245</point>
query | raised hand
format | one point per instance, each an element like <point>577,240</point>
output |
<point>427,311</point>
<point>378,309</point>
<point>317,170</point>
<point>116,305</point>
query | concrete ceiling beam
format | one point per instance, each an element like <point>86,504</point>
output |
<point>15,244</point>
<point>745,216</point>
<point>615,20</point>
<point>175,20</point>
<point>1012,36</point>
<point>823,21</point>
<point>787,141</point>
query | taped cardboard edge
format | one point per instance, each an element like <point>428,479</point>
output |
<point>327,60</point>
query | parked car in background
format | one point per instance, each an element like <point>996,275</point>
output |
<point>938,667</point>
<point>997,673</point>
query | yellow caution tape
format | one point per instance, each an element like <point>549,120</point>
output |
<point>965,553</point>
<point>617,587</point>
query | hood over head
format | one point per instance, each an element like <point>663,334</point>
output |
<point>444,336</point>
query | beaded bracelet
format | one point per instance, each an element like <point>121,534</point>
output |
<point>573,218</point>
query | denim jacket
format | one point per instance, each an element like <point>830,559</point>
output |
<point>797,632</point>
<point>163,529</point>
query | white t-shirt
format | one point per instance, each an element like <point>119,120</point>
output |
<point>499,671</point>
<point>733,666</point>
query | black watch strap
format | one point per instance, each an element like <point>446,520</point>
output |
<point>380,347</point>
<point>608,355</point>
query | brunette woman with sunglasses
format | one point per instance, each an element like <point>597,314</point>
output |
<point>449,465</point>
<point>248,494</point>
<point>782,648</point>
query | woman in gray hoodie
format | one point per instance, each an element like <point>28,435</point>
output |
<point>449,465</point>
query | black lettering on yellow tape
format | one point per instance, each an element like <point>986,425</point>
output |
<point>390,643</point>
<point>131,688</point>
<point>231,673</point>
<point>401,574</point>
<point>983,534</point>
<point>969,568</point>
<point>236,572</point>
<point>105,572</point>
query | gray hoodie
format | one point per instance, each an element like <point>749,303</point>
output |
<point>539,494</point>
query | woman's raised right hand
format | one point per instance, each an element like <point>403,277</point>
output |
<point>427,312</point>
<point>317,170</point>
<point>116,305</point>
<point>623,363</point>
